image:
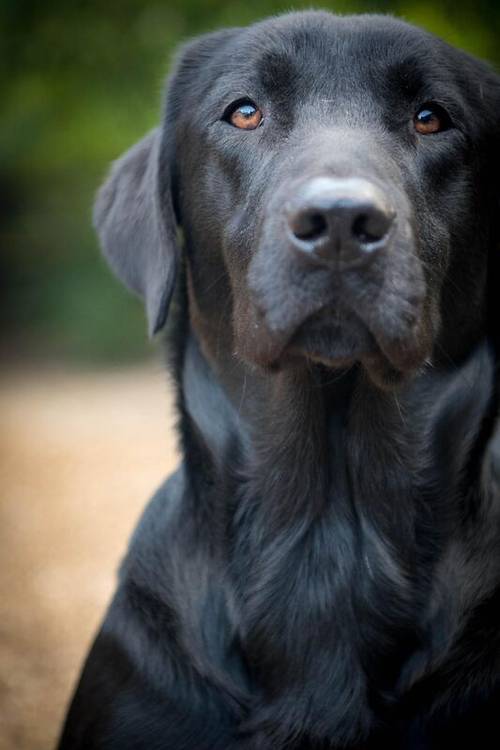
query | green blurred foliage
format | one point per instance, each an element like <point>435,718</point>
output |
<point>81,80</point>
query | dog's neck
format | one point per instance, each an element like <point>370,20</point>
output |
<point>349,492</point>
<point>328,424</point>
<point>303,441</point>
<point>298,445</point>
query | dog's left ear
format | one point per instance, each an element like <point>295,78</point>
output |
<point>481,85</point>
<point>484,87</point>
<point>134,211</point>
<point>489,154</point>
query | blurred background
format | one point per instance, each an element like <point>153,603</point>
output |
<point>86,418</point>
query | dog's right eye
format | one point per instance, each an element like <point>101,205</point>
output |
<point>243,114</point>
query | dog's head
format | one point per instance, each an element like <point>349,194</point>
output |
<point>336,181</point>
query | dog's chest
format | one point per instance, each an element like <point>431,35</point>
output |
<point>328,621</point>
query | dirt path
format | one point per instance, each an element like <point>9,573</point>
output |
<point>79,456</point>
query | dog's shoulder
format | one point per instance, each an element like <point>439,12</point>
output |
<point>155,534</point>
<point>159,510</point>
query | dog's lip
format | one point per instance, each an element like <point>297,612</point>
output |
<point>328,338</point>
<point>336,339</point>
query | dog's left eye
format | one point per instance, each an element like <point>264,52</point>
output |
<point>431,118</point>
<point>244,115</point>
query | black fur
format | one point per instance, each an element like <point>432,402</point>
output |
<point>323,570</point>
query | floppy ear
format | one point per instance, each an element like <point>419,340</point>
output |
<point>135,221</point>
<point>490,96</point>
<point>134,211</point>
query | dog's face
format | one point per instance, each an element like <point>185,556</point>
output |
<point>334,179</point>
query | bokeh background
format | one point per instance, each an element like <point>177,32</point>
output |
<point>86,417</point>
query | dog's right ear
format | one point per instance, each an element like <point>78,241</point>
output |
<point>135,221</point>
<point>134,211</point>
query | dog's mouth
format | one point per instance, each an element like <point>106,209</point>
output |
<point>333,339</point>
<point>338,338</point>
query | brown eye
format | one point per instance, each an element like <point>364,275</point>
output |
<point>244,115</point>
<point>431,118</point>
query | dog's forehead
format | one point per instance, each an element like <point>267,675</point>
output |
<point>320,31</point>
<point>311,49</point>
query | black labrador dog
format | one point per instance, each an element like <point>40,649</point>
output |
<point>323,570</point>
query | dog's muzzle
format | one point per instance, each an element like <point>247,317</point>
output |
<point>336,276</point>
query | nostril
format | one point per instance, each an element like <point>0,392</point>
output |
<point>370,227</point>
<point>309,225</point>
<point>361,230</point>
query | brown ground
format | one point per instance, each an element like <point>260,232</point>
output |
<point>79,456</point>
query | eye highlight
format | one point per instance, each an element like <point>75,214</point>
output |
<point>243,114</point>
<point>431,118</point>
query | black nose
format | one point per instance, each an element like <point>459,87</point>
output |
<point>339,221</point>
